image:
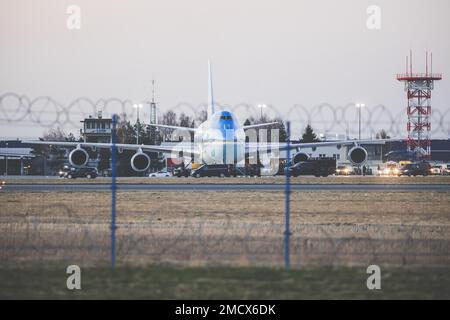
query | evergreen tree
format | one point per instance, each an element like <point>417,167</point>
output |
<point>309,135</point>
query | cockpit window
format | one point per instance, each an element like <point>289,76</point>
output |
<point>226,118</point>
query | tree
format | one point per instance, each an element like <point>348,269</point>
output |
<point>49,156</point>
<point>56,134</point>
<point>168,118</point>
<point>309,135</point>
<point>282,134</point>
<point>125,132</point>
<point>282,129</point>
<point>202,116</point>
<point>139,127</point>
<point>185,121</point>
<point>382,134</point>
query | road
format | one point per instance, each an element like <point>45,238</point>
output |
<point>225,187</point>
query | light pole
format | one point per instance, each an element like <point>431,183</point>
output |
<point>138,125</point>
<point>359,106</point>
<point>262,106</point>
<point>6,160</point>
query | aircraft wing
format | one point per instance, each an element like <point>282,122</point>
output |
<point>258,125</point>
<point>185,148</point>
<point>172,127</point>
<point>253,147</point>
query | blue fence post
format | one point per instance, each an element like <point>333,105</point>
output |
<point>113,191</point>
<point>287,191</point>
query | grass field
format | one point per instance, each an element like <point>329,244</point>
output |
<point>342,228</point>
<point>239,180</point>
<point>170,282</point>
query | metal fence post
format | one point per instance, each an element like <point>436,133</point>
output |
<point>113,191</point>
<point>287,191</point>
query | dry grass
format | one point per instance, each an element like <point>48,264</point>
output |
<point>241,180</point>
<point>239,228</point>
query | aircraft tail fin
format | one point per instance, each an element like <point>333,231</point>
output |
<point>210,92</point>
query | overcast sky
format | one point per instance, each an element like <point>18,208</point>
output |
<point>280,53</point>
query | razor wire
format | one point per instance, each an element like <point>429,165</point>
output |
<point>46,112</point>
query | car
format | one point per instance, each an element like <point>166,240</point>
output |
<point>436,170</point>
<point>63,171</point>
<point>343,171</point>
<point>217,170</point>
<point>391,168</point>
<point>415,169</point>
<point>82,172</point>
<point>314,166</point>
<point>181,172</point>
<point>446,169</point>
<point>160,174</point>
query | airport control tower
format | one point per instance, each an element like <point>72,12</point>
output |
<point>418,87</point>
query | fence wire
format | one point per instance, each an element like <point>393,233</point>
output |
<point>46,112</point>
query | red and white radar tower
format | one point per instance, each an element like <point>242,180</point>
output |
<point>418,87</point>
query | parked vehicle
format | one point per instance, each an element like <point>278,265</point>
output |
<point>83,172</point>
<point>343,171</point>
<point>160,174</point>
<point>415,169</point>
<point>217,170</point>
<point>181,171</point>
<point>63,171</point>
<point>446,169</point>
<point>391,168</point>
<point>436,170</point>
<point>314,166</point>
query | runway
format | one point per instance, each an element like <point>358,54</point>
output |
<point>224,187</point>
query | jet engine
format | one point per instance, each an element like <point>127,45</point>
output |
<point>299,156</point>
<point>78,157</point>
<point>140,161</point>
<point>357,155</point>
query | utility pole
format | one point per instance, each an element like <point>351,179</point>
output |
<point>359,106</point>
<point>138,124</point>
<point>6,160</point>
<point>261,107</point>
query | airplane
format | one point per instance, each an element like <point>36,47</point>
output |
<point>221,139</point>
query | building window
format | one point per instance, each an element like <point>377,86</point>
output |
<point>103,125</point>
